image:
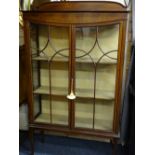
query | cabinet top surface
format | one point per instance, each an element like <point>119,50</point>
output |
<point>79,6</point>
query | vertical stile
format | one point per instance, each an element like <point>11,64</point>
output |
<point>69,78</point>
<point>72,75</point>
<point>50,81</point>
<point>38,65</point>
<point>95,69</point>
<point>118,87</point>
<point>29,69</point>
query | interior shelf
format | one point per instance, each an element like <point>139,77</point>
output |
<point>81,121</point>
<point>100,123</point>
<point>81,60</point>
<point>103,117</point>
<point>56,119</point>
<point>86,60</point>
<point>82,93</point>
<point>55,90</point>
<point>43,118</point>
<point>87,93</point>
<point>103,124</point>
<point>57,59</point>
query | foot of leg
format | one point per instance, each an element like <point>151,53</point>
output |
<point>114,146</point>
<point>31,137</point>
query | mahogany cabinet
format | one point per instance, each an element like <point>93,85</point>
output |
<point>75,57</point>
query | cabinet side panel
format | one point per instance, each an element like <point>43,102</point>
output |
<point>119,76</point>
<point>28,68</point>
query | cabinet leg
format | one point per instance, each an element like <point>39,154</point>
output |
<point>31,137</point>
<point>42,136</point>
<point>114,146</point>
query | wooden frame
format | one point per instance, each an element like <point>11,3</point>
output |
<point>72,14</point>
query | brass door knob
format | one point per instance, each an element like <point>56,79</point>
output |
<point>71,96</point>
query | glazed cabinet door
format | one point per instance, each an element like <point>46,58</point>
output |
<point>96,52</point>
<point>49,46</point>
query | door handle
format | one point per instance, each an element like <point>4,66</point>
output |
<point>71,96</point>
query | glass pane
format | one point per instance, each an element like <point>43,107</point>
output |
<point>48,42</point>
<point>59,111</point>
<point>55,113</point>
<point>59,78</point>
<point>84,79</point>
<point>50,57</point>
<point>41,109</point>
<point>41,77</point>
<point>84,113</point>
<point>104,115</point>
<point>95,71</point>
<point>105,82</point>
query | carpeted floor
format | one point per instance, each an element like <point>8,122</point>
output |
<point>57,145</point>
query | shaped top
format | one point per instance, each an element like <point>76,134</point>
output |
<point>80,6</point>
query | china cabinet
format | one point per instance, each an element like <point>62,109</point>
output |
<point>75,57</point>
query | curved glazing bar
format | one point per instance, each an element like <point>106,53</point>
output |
<point>48,42</point>
<point>56,43</point>
<point>83,37</point>
<point>102,43</point>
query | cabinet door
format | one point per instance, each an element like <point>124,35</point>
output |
<point>96,49</point>
<point>50,73</point>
